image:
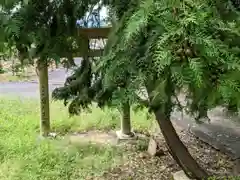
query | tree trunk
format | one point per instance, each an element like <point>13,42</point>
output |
<point>126,119</point>
<point>178,150</point>
<point>1,66</point>
<point>44,98</point>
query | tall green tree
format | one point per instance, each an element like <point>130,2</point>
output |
<point>170,47</point>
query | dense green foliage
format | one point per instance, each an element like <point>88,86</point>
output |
<point>170,46</point>
<point>42,29</point>
<point>167,47</point>
<point>85,85</point>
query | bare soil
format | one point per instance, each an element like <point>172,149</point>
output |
<point>137,164</point>
<point>141,166</point>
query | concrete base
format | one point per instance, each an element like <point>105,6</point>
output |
<point>180,175</point>
<point>122,136</point>
<point>50,135</point>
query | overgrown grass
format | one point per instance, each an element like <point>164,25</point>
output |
<point>24,156</point>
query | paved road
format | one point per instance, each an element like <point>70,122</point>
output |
<point>23,89</point>
<point>222,133</point>
<point>30,89</point>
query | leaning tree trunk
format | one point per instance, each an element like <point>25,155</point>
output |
<point>126,119</point>
<point>44,98</point>
<point>177,149</point>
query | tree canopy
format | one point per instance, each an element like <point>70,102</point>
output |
<point>85,85</point>
<point>43,29</point>
<point>193,46</point>
<point>178,45</point>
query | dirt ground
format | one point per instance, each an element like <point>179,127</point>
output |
<point>143,167</point>
<point>139,165</point>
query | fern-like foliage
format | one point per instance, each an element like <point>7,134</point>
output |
<point>170,46</point>
<point>45,29</point>
<point>86,84</point>
<point>82,88</point>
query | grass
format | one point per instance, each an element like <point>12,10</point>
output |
<point>8,77</point>
<point>24,156</point>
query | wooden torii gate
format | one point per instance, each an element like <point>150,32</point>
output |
<point>86,34</point>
